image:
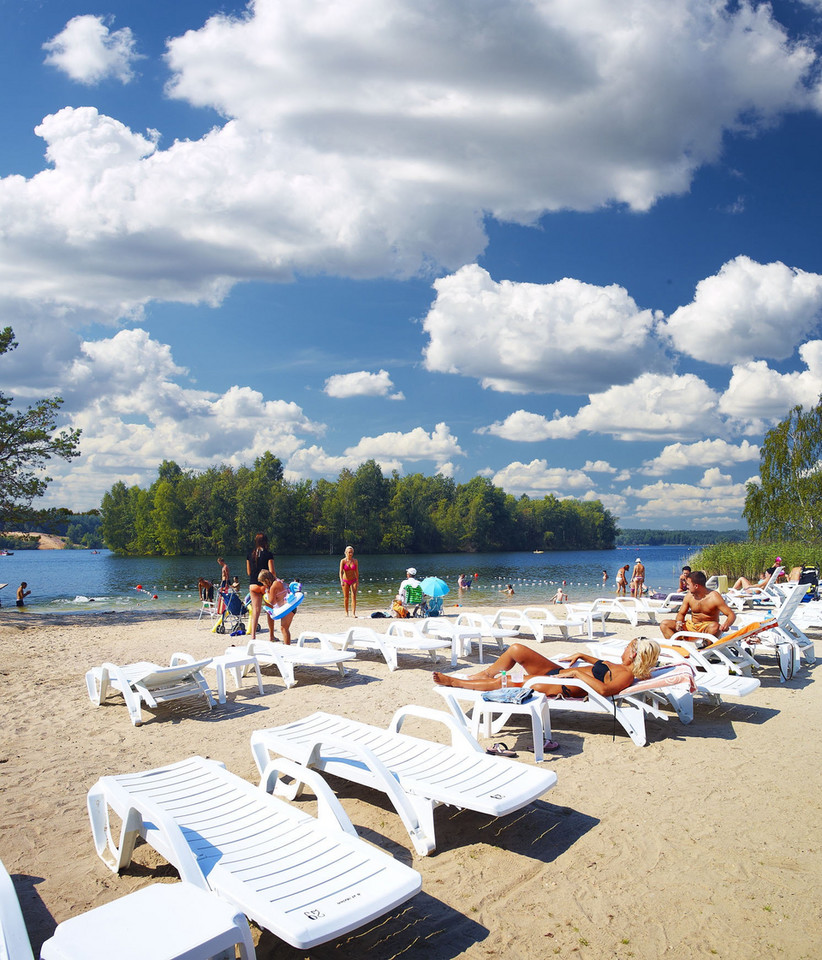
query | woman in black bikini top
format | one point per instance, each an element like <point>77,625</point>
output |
<point>638,658</point>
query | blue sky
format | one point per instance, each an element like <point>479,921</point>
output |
<point>570,246</point>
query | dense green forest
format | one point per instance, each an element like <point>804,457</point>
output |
<point>656,538</point>
<point>82,530</point>
<point>221,509</point>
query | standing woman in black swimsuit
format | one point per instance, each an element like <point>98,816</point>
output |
<point>638,658</point>
<point>259,558</point>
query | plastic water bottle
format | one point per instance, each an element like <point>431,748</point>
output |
<point>503,680</point>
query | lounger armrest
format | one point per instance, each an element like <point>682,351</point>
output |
<point>137,819</point>
<point>460,737</point>
<point>302,773</point>
<point>113,672</point>
<point>329,809</point>
<point>178,658</point>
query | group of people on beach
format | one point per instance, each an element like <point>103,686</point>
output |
<point>636,580</point>
<point>264,587</point>
<point>700,611</point>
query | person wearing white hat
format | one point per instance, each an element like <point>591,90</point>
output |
<point>410,581</point>
<point>638,579</point>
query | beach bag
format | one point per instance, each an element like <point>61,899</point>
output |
<point>399,609</point>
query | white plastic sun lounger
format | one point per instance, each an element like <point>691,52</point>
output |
<point>545,623</point>
<point>786,639</point>
<point>412,632</point>
<point>389,645</point>
<point>306,880</point>
<point>285,657</point>
<point>417,775</point>
<point>486,628</point>
<point>177,921</point>
<point>148,683</point>
<point>668,685</point>
<point>541,622</point>
<point>715,679</point>
<point>460,636</point>
<point>604,607</point>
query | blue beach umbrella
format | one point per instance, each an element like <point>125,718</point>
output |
<point>434,587</point>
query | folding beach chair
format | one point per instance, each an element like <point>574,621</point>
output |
<point>234,610</point>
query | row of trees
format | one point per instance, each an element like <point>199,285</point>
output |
<point>220,510</point>
<point>696,538</point>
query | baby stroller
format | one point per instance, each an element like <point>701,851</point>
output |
<point>233,612</point>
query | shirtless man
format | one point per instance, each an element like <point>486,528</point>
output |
<point>700,610</point>
<point>638,579</point>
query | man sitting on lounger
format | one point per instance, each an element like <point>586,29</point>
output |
<point>607,679</point>
<point>699,611</point>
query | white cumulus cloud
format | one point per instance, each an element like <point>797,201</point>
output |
<point>537,479</point>
<point>748,310</point>
<point>362,384</point>
<point>653,406</point>
<point>703,453</point>
<point>88,51</point>
<point>125,394</point>
<point>563,337</point>
<point>757,396</point>
<point>374,137</point>
<point>715,498</point>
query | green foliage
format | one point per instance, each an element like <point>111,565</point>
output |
<point>220,511</point>
<point>750,559</point>
<point>21,542</point>
<point>28,440</point>
<point>786,503</point>
<point>696,538</point>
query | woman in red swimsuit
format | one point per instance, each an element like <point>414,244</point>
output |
<point>349,578</point>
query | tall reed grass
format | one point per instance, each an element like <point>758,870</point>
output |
<point>750,559</point>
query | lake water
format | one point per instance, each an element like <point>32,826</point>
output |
<point>81,581</point>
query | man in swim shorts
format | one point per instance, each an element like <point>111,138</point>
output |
<point>700,610</point>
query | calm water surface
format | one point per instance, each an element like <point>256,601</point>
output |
<point>77,580</point>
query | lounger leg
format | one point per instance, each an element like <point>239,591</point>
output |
<point>540,729</point>
<point>683,703</point>
<point>97,685</point>
<point>118,856</point>
<point>632,720</point>
<point>287,673</point>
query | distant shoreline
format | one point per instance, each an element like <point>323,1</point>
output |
<point>47,540</point>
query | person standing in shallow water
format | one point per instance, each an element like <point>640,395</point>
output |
<point>622,581</point>
<point>349,579</point>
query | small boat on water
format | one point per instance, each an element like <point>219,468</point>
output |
<point>6,553</point>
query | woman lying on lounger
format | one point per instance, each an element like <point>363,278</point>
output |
<point>605,678</point>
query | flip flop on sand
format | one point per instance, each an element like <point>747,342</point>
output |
<point>550,745</point>
<point>501,750</point>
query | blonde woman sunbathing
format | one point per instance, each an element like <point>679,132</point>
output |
<point>638,658</point>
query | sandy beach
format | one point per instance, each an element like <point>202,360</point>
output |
<point>705,843</point>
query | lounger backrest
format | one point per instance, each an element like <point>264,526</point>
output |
<point>167,676</point>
